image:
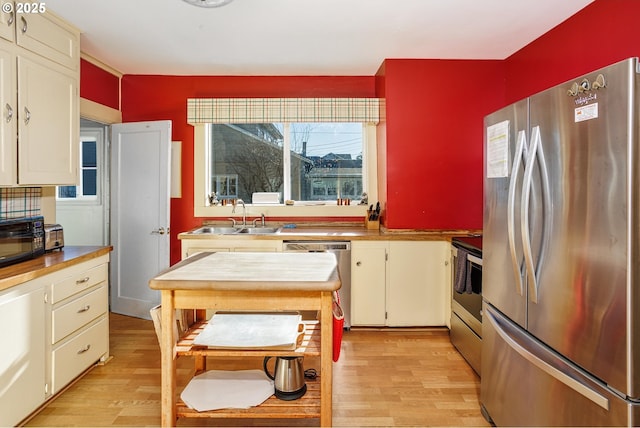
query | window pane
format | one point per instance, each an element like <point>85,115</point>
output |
<point>246,158</point>
<point>89,158</point>
<point>326,161</point>
<point>66,191</point>
<point>89,182</point>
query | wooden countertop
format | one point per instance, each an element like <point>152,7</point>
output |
<point>252,271</point>
<point>341,233</point>
<point>19,273</point>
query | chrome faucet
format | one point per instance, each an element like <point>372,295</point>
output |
<point>244,211</point>
<point>261,218</point>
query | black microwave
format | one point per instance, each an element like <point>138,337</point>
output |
<point>21,239</point>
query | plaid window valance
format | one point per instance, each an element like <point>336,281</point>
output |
<point>266,110</point>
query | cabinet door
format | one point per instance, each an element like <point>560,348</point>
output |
<point>368,283</point>
<point>46,35</point>
<point>8,121</point>
<point>22,359</point>
<point>48,123</point>
<point>417,289</point>
<point>7,23</point>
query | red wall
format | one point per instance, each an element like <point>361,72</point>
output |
<point>165,97</point>
<point>98,85</point>
<point>604,32</point>
<point>434,128</point>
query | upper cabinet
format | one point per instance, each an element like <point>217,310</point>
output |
<point>39,100</point>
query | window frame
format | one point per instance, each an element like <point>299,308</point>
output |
<point>97,135</point>
<point>202,208</point>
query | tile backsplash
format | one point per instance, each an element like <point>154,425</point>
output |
<point>20,202</point>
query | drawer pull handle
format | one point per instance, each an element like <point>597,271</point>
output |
<point>83,280</point>
<point>85,349</point>
<point>85,309</point>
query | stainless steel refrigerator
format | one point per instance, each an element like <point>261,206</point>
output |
<point>561,255</point>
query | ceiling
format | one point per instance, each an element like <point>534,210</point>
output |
<point>303,37</point>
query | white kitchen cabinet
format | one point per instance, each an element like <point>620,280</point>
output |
<point>418,276</point>
<point>368,282</point>
<point>48,123</point>
<point>399,283</point>
<point>7,25</point>
<point>50,37</point>
<point>39,98</point>
<point>8,122</point>
<point>193,246</point>
<point>52,329</point>
<point>23,357</point>
<point>79,320</point>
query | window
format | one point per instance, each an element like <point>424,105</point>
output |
<point>301,161</point>
<point>311,151</point>
<point>87,190</point>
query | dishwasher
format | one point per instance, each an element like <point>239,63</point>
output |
<point>342,251</point>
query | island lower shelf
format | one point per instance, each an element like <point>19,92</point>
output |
<point>308,406</point>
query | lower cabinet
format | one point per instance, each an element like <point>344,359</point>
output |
<point>368,283</point>
<point>52,329</point>
<point>79,320</point>
<point>23,358</point>
<point>399,283</point>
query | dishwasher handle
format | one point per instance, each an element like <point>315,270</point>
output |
<point>316,246</point>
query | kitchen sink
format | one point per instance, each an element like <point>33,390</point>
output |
<point>259,230</point>
<point>216,230</point>
<point>222,230</point>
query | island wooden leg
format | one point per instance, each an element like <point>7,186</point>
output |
<point>168,368</point>
<point>326,358</point>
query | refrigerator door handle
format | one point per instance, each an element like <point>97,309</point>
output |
<point>552,371</point>
<point>535,152</point>
<point>524,213</point>
<point>546,202</point>
<point>511,209</point>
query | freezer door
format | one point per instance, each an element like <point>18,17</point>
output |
<point>525,383</point>
<point>505,149</point>
<point>578,296</point>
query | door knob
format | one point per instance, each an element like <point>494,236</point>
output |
<point>159,231</point>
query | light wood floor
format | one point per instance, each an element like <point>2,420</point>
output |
<point>383,378</point>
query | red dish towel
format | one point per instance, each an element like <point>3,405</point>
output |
<point>338,326</point>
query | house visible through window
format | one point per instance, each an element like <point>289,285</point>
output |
<point>88,188</point>
<point>301,161</point>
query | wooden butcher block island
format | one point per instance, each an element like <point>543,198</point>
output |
<point>261,281</point>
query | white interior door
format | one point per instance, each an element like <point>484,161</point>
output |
<point>140,185</point>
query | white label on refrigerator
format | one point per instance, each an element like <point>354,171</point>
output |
<point>587,112</point>
<point>498,150</point>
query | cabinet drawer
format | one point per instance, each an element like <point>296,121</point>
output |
<point>76,355</point>
<point>78,282</point>
<point>75,314</point>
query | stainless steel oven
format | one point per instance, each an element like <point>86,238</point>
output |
<point>466,299</point>
<point>21,239</point>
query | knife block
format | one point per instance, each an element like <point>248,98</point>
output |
<point>371,224</point>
